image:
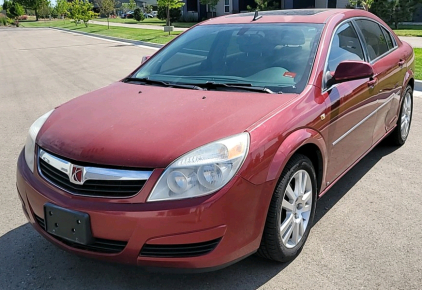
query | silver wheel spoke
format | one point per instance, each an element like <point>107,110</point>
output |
<point>287,234</point>
<point>290,193</point>
<point>287,205</point>
<point>301,228</point>
<point>304,181</point>
<point>306,208</point>
<point>295,234</point>
<point>286,225</point>
<point>298,183</point>
<point>307,196</point>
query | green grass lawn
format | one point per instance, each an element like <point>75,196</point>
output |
<point>148,35</point>
<point>147,21</point>
<point>418,64</point>
<point>409,30</point>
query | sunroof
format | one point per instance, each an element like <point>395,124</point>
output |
<point>295,12</point>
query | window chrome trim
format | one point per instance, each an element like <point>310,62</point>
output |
<point>91,173</point>
<point>324,88</point>
<point>387,101</point>
<point>362,42</point>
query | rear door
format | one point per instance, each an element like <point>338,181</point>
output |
<point>389,68</point>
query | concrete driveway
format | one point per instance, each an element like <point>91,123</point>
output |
<point>368,228</point>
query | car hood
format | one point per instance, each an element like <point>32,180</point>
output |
<point>148,126</point>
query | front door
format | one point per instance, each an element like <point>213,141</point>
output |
<point>352,121</point>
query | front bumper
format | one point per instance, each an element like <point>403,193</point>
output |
<point>232,219</point>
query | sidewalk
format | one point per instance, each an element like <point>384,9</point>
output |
<point>416,42</point>
<point>413,41</point>
<point>143,26</point>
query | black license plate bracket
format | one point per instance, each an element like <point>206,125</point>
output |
<point>73,226</point>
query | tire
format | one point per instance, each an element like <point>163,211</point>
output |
<point>399,135</point>
<point>289,210</point>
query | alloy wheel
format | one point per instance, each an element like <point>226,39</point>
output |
<point>296,208</point>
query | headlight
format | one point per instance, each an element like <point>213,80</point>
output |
<point>30,140</point>
<point>203,170</point>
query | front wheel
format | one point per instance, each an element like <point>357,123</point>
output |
<point>291,212</point>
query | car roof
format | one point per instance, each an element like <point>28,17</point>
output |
<point>292,15</point>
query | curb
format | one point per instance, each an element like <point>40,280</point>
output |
<point>418,85</point>
<point>128,41</point>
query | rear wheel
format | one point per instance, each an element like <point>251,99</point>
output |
<point>399,135</point>
<point>291,211</point>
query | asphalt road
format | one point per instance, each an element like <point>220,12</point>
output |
<point>368,229</point>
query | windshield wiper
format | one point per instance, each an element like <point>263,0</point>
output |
<point>149,81</point>
<point>240,86</point>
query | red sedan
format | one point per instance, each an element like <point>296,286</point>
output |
<point>219,145</point>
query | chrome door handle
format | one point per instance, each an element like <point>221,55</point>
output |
<point>372,83</point>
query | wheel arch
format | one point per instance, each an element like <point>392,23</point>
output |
<point>304,141</point>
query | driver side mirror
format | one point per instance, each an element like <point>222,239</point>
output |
<point>145,58</point>
<point>350,70</point>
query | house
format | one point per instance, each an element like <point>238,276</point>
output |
<point>194,11</point>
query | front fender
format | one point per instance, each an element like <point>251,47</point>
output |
<point>291,145</point>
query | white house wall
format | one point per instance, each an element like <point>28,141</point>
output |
<point>320,3</point>
<point>220,8</point>
<point>342,3</point>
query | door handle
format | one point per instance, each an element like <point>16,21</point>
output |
<point>401,62</point>
<point>372,82</point>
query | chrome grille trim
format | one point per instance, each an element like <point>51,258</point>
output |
<point>95,181</point>
<point>94,173</point>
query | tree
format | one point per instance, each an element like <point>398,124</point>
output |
<point>45,9</point>
<point>13,10</point>
<point>169,4</point>
<point>395,11</point>
<point>366,4</point>
<point>81,10</point>
<point>32,5</point>
<point>138,15</point>
<point>106,7</point>
<point>211,3</point>
<point>148,9</point>
<point>175,14</point>
<point>129,6</point>
<point>62,8</point>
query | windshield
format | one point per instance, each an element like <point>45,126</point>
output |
<point>277,57</point>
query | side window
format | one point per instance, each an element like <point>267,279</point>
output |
<point>388,38</point>
<point>345,46</point>
<point>375,40</point>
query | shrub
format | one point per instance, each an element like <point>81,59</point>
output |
<point>23,17</point>
<point>3,20</point>
<point>138,15</point>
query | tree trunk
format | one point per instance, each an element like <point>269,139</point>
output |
<point>36,14</point>
<point>108,23</point>
<point>168,17</point>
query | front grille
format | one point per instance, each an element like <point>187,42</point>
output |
<point>179,250</point>
<point>96,188</point>
<point>40,221</point>
<point>99,245</point>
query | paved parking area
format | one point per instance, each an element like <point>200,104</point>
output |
<point>368,230</point>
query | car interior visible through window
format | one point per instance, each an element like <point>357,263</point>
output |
<point>278,57</point>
